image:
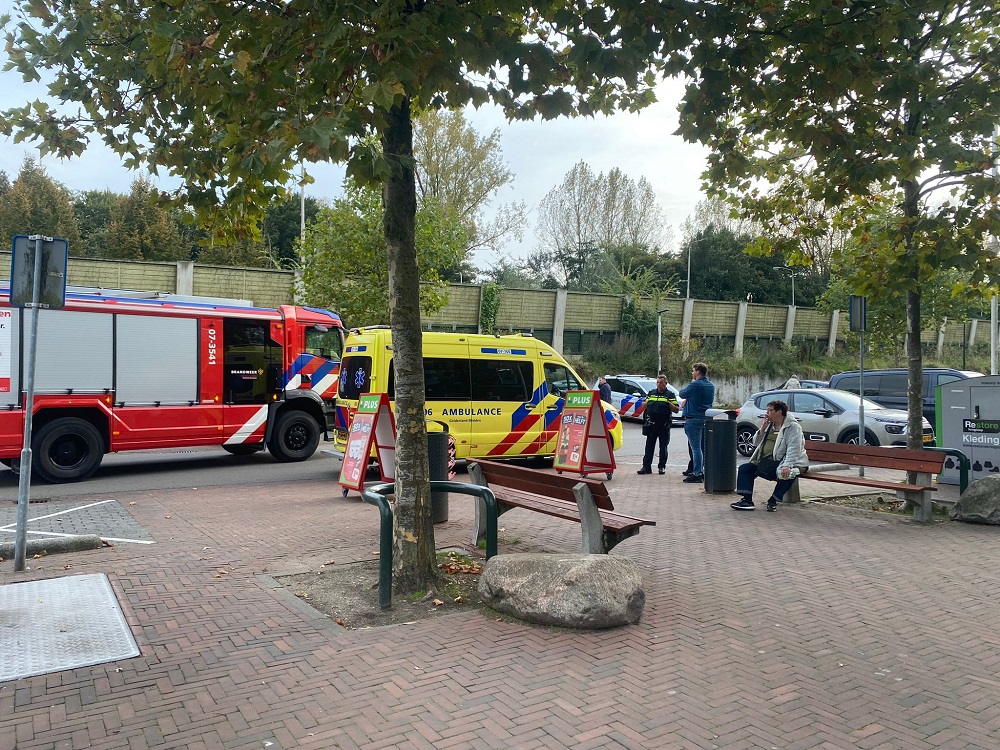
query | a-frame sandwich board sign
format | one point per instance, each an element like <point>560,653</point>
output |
<point>373,422</point>
<point>583,444</point>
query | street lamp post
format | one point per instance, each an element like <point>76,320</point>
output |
<point>688,295</point>
<point>791,272</point>
<point>659,341</point>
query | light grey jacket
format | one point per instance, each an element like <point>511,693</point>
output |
<point>789,445</point>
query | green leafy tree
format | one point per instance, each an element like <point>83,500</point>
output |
<point>232,99</point>
<point>36,204</point>
<point>512,273</point>
<point>141,228</point>
<point>722,270</point>
<point>282,228</point>
<point>344,256</point>
<point>462,172</point>
<point>92,209</point>
<point>869,98</point>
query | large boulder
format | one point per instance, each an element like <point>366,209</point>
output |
<point>573,591</point>
<point>980,503</point>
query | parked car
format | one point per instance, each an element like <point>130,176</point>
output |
<point>888,387</point>
<point>828,415</point>
<point>814,383</point>
<point>807,384</point>
<point>628,395</point>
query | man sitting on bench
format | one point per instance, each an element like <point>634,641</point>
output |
<point>779,455</point>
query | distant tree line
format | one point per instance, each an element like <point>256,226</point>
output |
<point>138,225</point>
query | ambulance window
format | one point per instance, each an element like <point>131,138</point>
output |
<point>355,376</point>
<point>502,380</point>
<point>561,379</point>
<point>446,379</point>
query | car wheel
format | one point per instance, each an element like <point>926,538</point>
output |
<point>851,438</point>
<point>744,440</point>
<point>67,450</point>
<point>295,436</point>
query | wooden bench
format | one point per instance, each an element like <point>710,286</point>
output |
<point>585,501</point>
<point>924,463</point>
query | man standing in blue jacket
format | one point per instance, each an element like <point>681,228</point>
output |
<point>699,396</point>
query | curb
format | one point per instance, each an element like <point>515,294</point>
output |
<point>51,546</point>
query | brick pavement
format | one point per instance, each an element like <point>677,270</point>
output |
<point>807,628</point>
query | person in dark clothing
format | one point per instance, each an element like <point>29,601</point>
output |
<point>698,397</point>
<point>604,389</point>
<point>661,405</point>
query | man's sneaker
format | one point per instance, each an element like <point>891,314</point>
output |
<point>745,504</point>
<point>644,471</point>
<point>661,471</point>
<point>694,478</point>
<point>772,505</point>
<point>686,473</point>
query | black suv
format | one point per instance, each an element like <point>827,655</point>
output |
<point>888,387</point>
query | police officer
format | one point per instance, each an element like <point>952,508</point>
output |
<point>661,405</point>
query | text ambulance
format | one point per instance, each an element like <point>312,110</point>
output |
<point>117,373</point>
<point>501,396</point>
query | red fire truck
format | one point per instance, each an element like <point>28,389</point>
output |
<point>119,371</point>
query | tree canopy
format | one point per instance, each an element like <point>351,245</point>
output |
<point>36,204</point>
<point>864,100</point>
<point>344,256</point>
<point>462,171</point>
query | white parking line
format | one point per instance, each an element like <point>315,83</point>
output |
<point>12,527</point>
<point>60,513</point>
<point>59,534</point>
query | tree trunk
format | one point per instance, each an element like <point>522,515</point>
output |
<point>915,373</point>
<point>414,564</point>
<point>914,351</point>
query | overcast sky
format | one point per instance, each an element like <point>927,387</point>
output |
<point>539,155</point>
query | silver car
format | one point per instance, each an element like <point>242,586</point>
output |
<point>628,395</point>
<point>828,415</point>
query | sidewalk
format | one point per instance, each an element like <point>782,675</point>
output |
<point>813,627</point>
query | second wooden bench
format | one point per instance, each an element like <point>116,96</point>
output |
<point>924,463</point>
<point>585,501</point>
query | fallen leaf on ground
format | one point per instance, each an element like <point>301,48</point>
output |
<point>341,622</point>
<point>437,602</point>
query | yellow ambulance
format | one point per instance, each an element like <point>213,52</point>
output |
<point>501,396</point>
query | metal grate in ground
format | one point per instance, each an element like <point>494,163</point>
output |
<point>61,623</point>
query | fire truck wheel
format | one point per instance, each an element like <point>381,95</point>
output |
<point>295,436</point>
<point>67,450</point>
<point>243,449</point>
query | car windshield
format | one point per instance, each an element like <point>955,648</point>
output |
<point>850,401</point>
<point>647,384</point>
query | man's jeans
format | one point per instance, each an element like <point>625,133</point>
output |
<point>749,471</point>
<point>695,431</point>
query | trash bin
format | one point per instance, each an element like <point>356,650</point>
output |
<point>437,458</point>
<point>720,453</point>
